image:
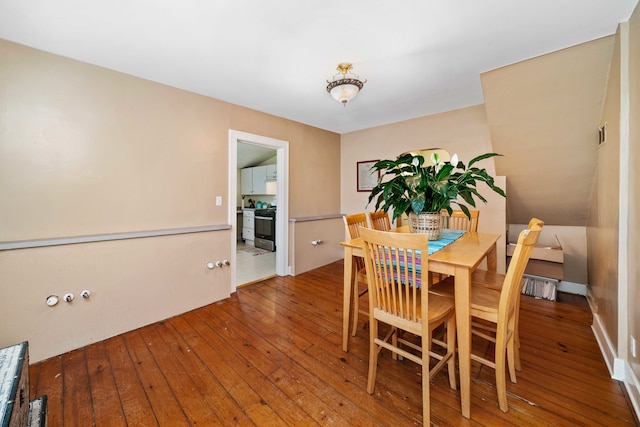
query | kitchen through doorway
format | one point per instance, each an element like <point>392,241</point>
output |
<point>258,207</point>
<point>255,252</point>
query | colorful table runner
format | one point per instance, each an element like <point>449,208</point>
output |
<point>447,237</point>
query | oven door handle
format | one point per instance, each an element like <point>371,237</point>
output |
<point>264,218</point>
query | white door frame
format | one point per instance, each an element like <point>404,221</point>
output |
<point>282,213</point>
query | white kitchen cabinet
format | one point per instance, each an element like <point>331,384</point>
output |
<point>253,180</point>
<point>272,173</point>
<point>246,181</point>
<point>259,180</point>
<point>248,226</point>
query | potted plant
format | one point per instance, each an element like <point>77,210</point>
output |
<point>423,188</point>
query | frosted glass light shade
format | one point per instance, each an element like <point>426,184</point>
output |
<point>345,92</point>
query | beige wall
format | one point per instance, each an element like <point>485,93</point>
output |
<point>303,232</point>
<point>463,131</point>
<point>88,151</point>
<point>614,224</point>
<point>603,228</point>
<point>132,283</point>
<point>633,228</point>
<point>543,114</point>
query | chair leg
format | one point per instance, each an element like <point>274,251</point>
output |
<point>356,309</point>
<point>426,402</point>
<point>501,377</point>
<point>516,352</point>
<point>511,363</point>
<point>373,355</point>
<point>516,335</point>
<point>512,349</point>
<point>394,342</point>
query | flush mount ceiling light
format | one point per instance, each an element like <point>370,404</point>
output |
<point>344,86</point>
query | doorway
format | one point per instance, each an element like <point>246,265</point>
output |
<point>282,213</point>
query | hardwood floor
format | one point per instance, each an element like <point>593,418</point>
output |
<point>272,355</point>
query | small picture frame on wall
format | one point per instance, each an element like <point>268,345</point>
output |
<point>367,179</point>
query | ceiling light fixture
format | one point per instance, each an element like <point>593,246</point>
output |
<point>344,88</point>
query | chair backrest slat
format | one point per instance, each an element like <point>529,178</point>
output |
<point>352,222</point>
<point>459,221</point>
<point>395,271</point>
<point>380,220</point>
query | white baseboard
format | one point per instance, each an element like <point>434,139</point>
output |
<point>618,368</point>
<point>615,365</point>
<point>572,288</point>
<point>593,303</point>
<point>633,388</point>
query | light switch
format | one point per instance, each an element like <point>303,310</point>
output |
<point>218,200</point>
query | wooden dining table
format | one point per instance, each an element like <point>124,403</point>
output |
<point>459,259</point>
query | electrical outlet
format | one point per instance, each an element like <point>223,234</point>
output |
<point>633,346</point>
<point>218,200</point>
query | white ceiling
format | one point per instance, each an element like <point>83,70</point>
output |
<point>252,155</point>
<point>420,57</point>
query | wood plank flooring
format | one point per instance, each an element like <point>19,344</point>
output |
<point>271,355</point>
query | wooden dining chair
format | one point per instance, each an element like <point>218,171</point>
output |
<point>456,221</point>
<point>500,308</point>
<point>379,220</point>
<point>492,280</point>
<point>352,224</point>
<point>397,266</point>
<point>459,221</point>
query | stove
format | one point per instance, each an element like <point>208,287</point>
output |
<point>265,229</point>
<point>270,212</point>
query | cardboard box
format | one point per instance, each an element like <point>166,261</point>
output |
<point>547,253</point>
<point>545,261</point>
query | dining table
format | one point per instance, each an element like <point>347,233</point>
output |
<point>458,259</point>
